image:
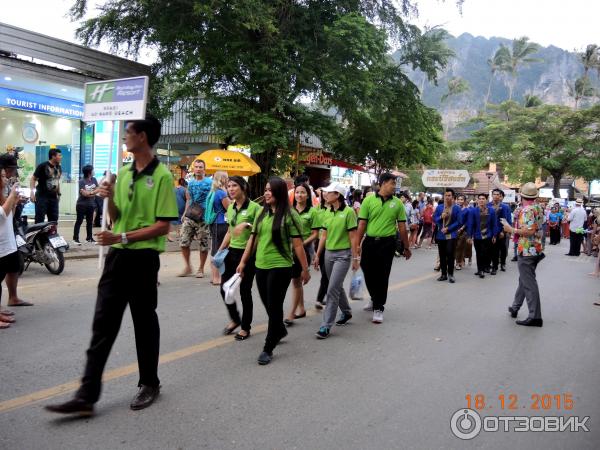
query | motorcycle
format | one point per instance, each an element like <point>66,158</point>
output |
<point>40,243</point>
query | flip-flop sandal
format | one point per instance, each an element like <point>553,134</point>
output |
<point>22,303</point>
<point>597,303</point>
<point>6,319</point>
<point>6,312</point>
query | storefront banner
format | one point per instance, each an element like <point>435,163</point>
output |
<point>27,101</point>
<point>445,178</point>
<point>123,99</point>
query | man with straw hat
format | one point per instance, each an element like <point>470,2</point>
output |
<point>530,253</point>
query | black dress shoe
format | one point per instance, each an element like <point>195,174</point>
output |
<point>288,323</point>
<point>265,358</point>
<point>75,406</point>
<point>477,273</point>
<point>493,272</point>
<point>451,279</point>
<point>481,275</point>
<point>487,270</point>
<point>514,259</point>
<point>503,268</point>
<point>145,397</point>
<point>529,322</point>
<point>442,278</point>
<point>513,312</point>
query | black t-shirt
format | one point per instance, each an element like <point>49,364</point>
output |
<point>48,177</point>
<point>89,186</point>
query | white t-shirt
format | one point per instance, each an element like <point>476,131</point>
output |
<point>577,218</point>
<point>8,244</point>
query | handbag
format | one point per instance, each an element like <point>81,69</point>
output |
<point>195,212</point>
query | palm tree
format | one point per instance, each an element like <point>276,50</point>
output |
<point>499,62</point>
<point>581,89</point>
<point>590,59</point>
<point>456,86</point>
<point>519,55</point>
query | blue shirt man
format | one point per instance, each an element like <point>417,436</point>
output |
<point>447,218</point>
<point>500,246</point>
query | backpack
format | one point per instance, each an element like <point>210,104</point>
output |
<point>210,215</point>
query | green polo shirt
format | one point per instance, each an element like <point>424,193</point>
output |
<point>142,199</point>
<point>309,221</point>
<point>382,216</point>
<point>338,224</point>
<point>247,213</point>
<point>268,255</point>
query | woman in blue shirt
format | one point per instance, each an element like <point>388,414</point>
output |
<point>554,221</point>
<point>218,229</point>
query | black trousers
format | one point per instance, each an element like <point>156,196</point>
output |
<point>483,250</point>
<point>272,286</point>
<point>376,263</point>
<point>46,206</point>
<point>87,211</point>
<point>324,284</point>
<point>117,289</point>
<point>232,260</point>
<point>555,235</point>
<point>575,243</point>
<point>447,252</point>
<point>99,203</point>
<point>499,250</point>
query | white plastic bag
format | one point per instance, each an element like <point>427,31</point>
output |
<point>356,286</point>
<point>232,289</point>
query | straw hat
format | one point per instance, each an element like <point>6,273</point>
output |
<point>528,190</point>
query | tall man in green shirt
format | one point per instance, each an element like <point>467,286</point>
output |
<point>141,206</point>
<point>380,216</point>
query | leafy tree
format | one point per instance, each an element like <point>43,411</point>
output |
<point>590,59</point>
<point>499,62</point>
<point>531,101</point>
<point>519,55</point>
<point>581,89</point>
<point>551,138</point>
<point>261,64</point>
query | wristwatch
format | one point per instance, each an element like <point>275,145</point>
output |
<point>124,239</point>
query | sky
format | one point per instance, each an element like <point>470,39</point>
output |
<point>570,25</point>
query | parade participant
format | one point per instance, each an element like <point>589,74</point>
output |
<point>482,229</point>
<point>9,255</point>
<point>464,245</point>
<point>415,220</point>
<point>141,206</point>
<point>218,229</point>
<point>427,217</point>
<point>447,218</point>
<point>272,232</point>
<point>86,203</point>
<point>309,219</point>
<point>381,216</point>
<point>595,237</point>
<point>341,249</point>
<point>241,214</point>
<point>554,221</point>
<point>499,249</point>
<point>193,219</point>
<point>324,283</point>
<point>530,254</point>
<point>47,193</point>
<point>577,218</point>
<point>180,194</point>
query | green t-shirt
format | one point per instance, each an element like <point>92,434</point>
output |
<point>382,216</point>
<point>247,213</point>
<point>142,199</point>
<point>309,221</point>
<point>338,224</point>
<point>268,255</point>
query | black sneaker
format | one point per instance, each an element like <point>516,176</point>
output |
<point>503,268</point>
<point>76,242</point>
<point>323,333</point>
<point>319,305</point>
<point>91,241</point>
<point>265,358</point>
<point>75,406</point>
<point>344,319</point>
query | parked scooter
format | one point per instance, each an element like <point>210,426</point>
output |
<point>42,244</point>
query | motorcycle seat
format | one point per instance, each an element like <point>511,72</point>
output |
<point>38,226</point>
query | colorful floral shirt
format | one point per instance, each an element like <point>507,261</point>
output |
<point>529,217</point>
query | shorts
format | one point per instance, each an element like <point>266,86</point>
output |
<point>297,267</point>
<point>217,234</point>
<point>10,263</point>
<point>199,230</point>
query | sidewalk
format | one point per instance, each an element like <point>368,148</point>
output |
<point>87,250</point>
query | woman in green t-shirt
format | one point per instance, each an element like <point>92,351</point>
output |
<point>308,219</point>
<point>340,243</point>
<point>241,214</point>
<point>273,230</point>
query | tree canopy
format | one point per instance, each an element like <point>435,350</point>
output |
<point>270,69</point>
<point>555,139</point>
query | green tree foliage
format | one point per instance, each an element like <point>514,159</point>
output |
<point>261,64</point>
<point>519,55</point>
<point>581,89</point>
<point>498,63</point>
<point>555,139</point>
<point>456,87</point>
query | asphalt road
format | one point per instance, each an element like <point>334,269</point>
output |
<point>388,386</point>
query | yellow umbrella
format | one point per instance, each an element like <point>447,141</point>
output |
<point>234,163</point>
